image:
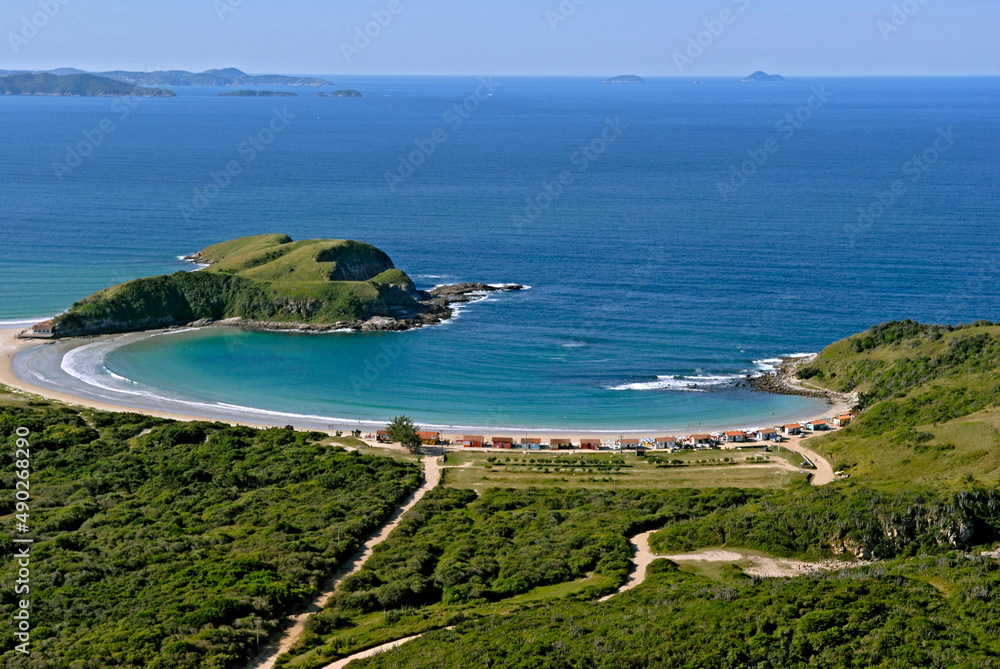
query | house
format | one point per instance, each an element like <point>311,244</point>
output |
<point>734,437</point>
<point>641,452</point>
<point>666,442</point>
<point>503,442</point>
<point>590,444</point>
<point>791,430</point>
<point>843,420</point>
<point>767,434</point>
<point>473,441</point>
<point>700,441</point>
<point>560,443</point>
<point>629,444</point>
<point>43,329</point>
<point>531,444</point>
<point>382,437</point>
<point>429,438</point>
<point>817,426</point>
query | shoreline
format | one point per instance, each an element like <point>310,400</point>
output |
<point>181,410</point>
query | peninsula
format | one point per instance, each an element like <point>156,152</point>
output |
<point>759,76</point>
<point>78,85</point>
<point>229,76</point>
<point>270,282</point>
<point>625,79</point>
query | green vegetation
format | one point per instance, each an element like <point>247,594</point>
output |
<point>915,613</point>
<point>931,396</point>
<point>458,556</point>
<point>401,430</point>
<point>176,545</point>
<point>853,520</point>
<point>268,278</point>
<point>76,85</point>
<point>614,471</point>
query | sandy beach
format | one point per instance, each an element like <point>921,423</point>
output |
<point>17,375</point>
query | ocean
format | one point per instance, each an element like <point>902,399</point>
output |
<point>675,237</point>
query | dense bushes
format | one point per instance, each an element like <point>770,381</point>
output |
<point>889,616</point>
<point>167,549</point>
<point>817,522</point>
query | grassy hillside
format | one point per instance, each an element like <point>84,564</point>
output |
<point>931,396</point>
<point>166,545</point>
<point>268,278</point>
<point>74,84</point>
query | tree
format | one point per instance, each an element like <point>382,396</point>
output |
<point>403,431</point>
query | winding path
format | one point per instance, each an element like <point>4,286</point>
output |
<point>824,471</point>
<point>642,557</point>
<point>296,624</point>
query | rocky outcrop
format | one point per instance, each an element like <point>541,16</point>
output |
<point>355,262</point>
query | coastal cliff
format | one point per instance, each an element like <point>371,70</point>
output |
<point>272,282</point>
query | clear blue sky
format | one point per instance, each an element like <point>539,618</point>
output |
<point>512,37</point>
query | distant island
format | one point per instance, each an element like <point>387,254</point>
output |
<point>273,283</point>
<point>81,85</point>
<point>349,93</point>
<point>763,76</point>
<point>258,94</point>
<point>625,79</point>
<point>226,77</point>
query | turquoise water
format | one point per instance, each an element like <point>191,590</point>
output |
<point>651,292</point>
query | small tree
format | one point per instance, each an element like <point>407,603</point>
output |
<point>403,431</point>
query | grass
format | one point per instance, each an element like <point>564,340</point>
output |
<point>265,278</point>
<point>610,471</point>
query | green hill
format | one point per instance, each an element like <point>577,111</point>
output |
<point>931,400</point>
<point>86,85</point>
<point>270,280</point>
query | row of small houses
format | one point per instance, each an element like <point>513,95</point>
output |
<point>693,441</point>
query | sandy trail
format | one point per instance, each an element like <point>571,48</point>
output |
<point>371,652</point>
<point>291,634</point>
<point>642,557</point>
<point>761,565</point>
<point>824,470</point>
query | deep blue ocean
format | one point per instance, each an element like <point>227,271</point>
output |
<point>656,274</point>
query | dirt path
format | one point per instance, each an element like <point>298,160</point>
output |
<point>824,470</point>
<point>761,565</point>
<point>642,557</point>
<point>291,634</point>
<point>371,652</point>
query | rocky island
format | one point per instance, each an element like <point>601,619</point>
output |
<point>349,93</point>
<point>271,282</point>
<point>78,85</point>
<point>258,94</point>
<point>759,76</point>
<point>625,79</point>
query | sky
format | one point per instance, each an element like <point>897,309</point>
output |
<point>697,38</point>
